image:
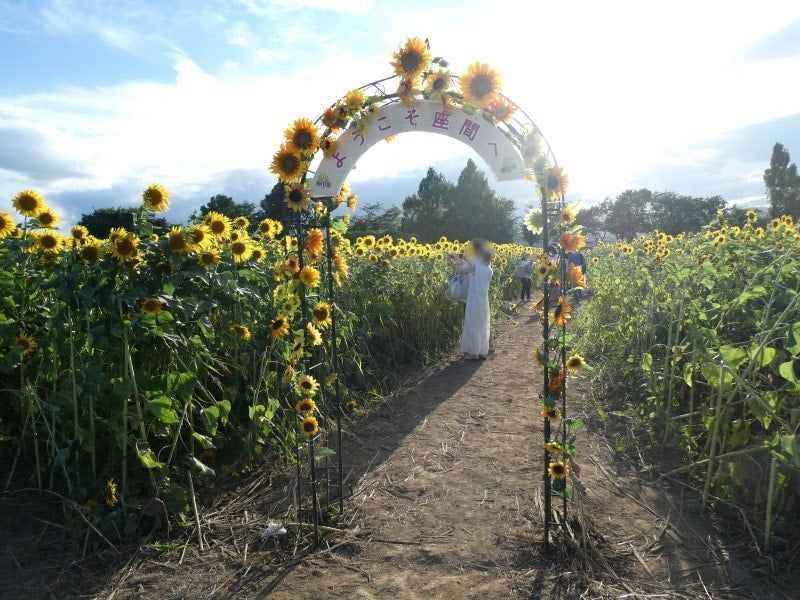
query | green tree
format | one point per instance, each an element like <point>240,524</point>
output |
<point>673,213</point>
<point>628,214</point>
<point>102,220</point>
<point>463,211</point>
<point>373,219</point>
<point>424,212</point>
<point>272,204</point>
<point>783,184</point>
<point>593,219</point>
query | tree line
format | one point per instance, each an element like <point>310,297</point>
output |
<point>470,208</point>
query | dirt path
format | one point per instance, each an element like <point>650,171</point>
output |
<point>446,504</point>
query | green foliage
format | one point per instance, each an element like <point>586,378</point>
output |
<point>783,184</point>
<point>699,336</point>
<point>463,211</point>
<point>102,220</point>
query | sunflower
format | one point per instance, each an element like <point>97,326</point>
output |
<point>351,406</point>
<point>258,254</point>
<point>480,85</point>
<point>288,374</point>
<point>534,221</point>
<point>752,216</point>
<point>438,83</point>
<point>412,59</point>
<point>290,304</point>
<point>309,276</point>
<point>566,216</point>
<point>296,350</point>
<point>197,236</point>
<point>330,118</point>
<point>116,233</point>
<point>314,241</point>
<point>321,315</point>
<point>309,427</point>
<point>305,406</point>
<point>352,202</point>
<point>279,327</point>
<point>407,90</point>
<point>6,224</point>
<point>26,342</point>
<point>241,331</point>
<point>572,242</point>
<point>297,197</point>
<point>302,137</point>
<point>329,145</point>
<point>50,242</point>
<point>306,385</point>
<point>111,493</point>
<point>241,250</point>
<point>340,263</point>
<point>555,448</point>
<point>91,251</point>
<point>554,182</point>
<point>502,110</point>
<point>28,203</point>
<point>218,224</point>
<point>152,306</point>
<point>575,363</point>
<point>551,414</point>
<point>543,269</point>
<point>267,228</point>
<point>292,263</point>
<point>287,164</point>
<point>314,334</point>
<point>558,470</point>
<point>556,382</point>
<point>561,312</point>
<point>209,258</point>
<point>156,198</point>
<point>79,232</point>
<point>177,242</point>
<point>577,276</point>
<point>47,218</point>
<point>241,222</point>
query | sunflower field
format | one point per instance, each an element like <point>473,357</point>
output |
<point>699,336</point>
<point>128,363</point>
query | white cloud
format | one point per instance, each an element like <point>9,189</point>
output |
<point>239,34</point>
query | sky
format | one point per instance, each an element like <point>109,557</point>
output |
<point>99,99</point>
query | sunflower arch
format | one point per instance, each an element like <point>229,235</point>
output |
<point>422,95</point>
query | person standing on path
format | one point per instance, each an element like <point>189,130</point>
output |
<point>524,272</point>
<point>475,334</point>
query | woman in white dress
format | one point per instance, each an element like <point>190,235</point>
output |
<point>475,334</point>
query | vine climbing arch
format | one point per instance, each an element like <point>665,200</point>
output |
<point>313,163</point>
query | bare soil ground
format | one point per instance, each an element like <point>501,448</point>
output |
<point>446,503</point>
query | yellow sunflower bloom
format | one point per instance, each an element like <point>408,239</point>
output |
<point>28,203</point>
<point>241,250</point>
<point>314,241</point>
<point>218,224</point>
<point>27,344</point>
<point>91,251</point>
<point>551,414</point>
<point>411,59</point>
<point>309,427</point>
<point>306,385</point>
<point>302,137</point>
<point>298,197</point>
<point>572,242</point>
<point>351,406</point>
<point>288,374</point>
<point>156,198</point>
<point>198,236</point>
<point>209,258</point>
<point>50,242</point>
<point>480,85</point>
<point>241,222</point>
<point>279,327</point>
<point>561,312</point>
<point>329,145</point>
<point>305,406</point>
<point>79,232</point>
<point>575,363</point>
<point>111,493</point>
<point>309,276</point>
<point>6,224</point>
<point>177,242</point>
<point>437,84</point>
<point>321,315</point>
<point>554,182</point>
<point>502,110</point>
<point>352,202</point>
<point>555,448</point>
<point>287,165</point>
<point>566,216</point>
<point>558,470</point>
<point>153,306</point>
<point>314,334</point>
<point>47,218</point>
<point>241,331</point>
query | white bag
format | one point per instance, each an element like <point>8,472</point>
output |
<point>458,286</point>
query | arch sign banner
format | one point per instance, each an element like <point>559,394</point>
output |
<point>428,116</point>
